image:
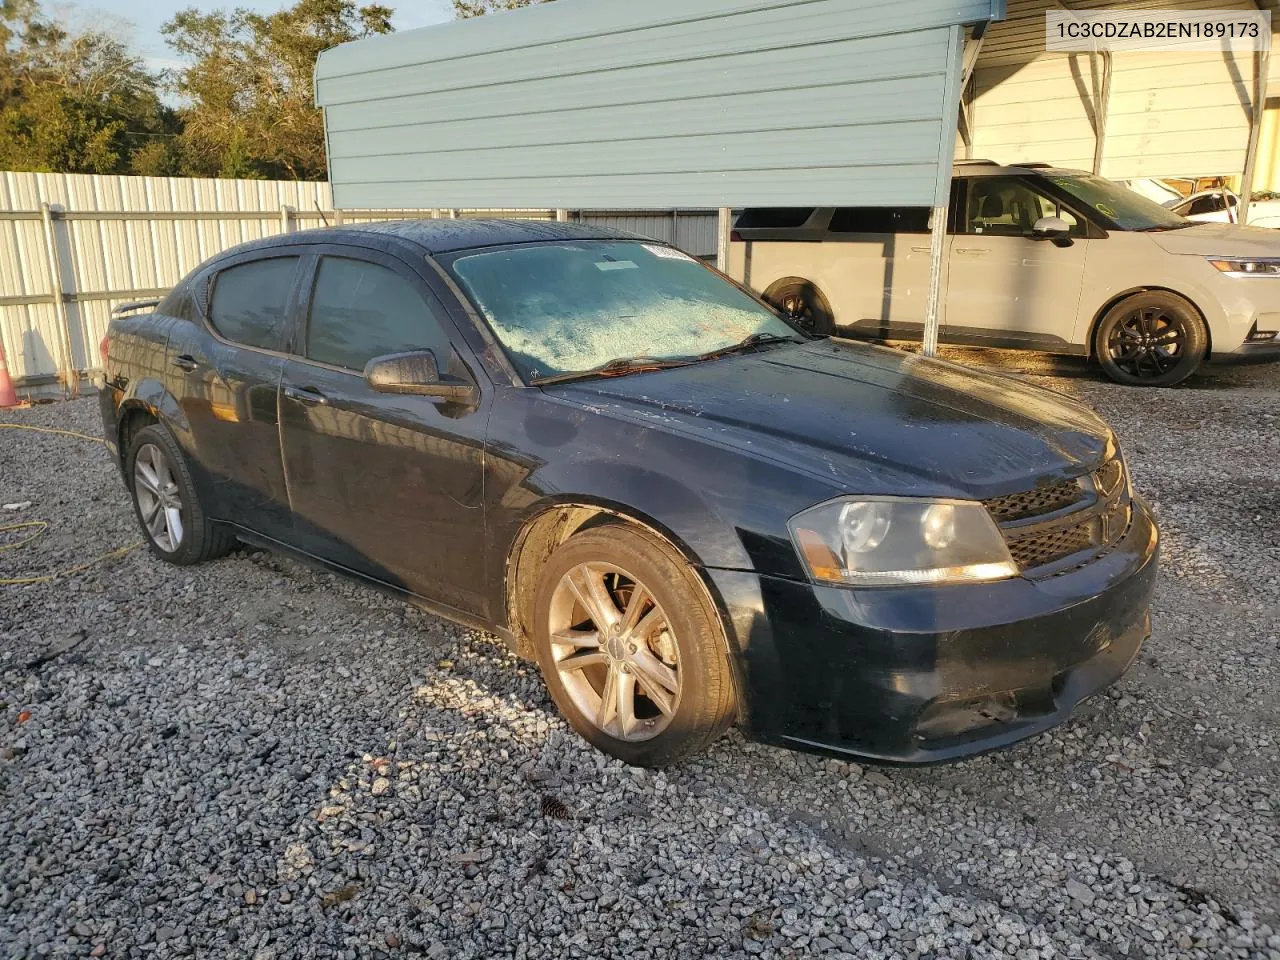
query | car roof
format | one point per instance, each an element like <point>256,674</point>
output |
<point>430,236</point>
<point>989,168</point>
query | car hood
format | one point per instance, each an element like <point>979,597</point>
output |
<point>1219,240</point>
<point>868,419</point>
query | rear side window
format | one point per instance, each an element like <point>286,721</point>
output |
<point>177,303</point>
<point>773,218</point>
<point>250,302</point>
<point>360,310</point>
<point>880,220</point>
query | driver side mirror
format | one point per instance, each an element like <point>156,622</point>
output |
<point>417,374</point>
<point>1051,228</point>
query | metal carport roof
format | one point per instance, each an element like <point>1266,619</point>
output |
<point>665,103</point>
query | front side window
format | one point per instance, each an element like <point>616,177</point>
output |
<point>360,310</point>
<point>561,308</point>
<point>250,302</point>
<point>1009,207</point>
<point>1120,206</point>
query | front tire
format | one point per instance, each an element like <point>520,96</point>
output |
<point>631,650</point>
<point>165,502</point>
<point>1153,339</point>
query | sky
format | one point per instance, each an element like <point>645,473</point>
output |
<point>145,17</point>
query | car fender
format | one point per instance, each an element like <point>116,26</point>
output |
<point>1111,278</point>
<point>150,395</point>
<point>677,513</point>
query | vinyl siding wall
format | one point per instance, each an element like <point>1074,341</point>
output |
<point>1170,114</point>
<point>609,103</point>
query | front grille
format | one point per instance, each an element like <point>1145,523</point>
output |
<point>1040,549</point>
<point>1034,503</point>
<point>1099,519</point>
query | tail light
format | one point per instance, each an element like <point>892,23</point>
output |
<point>735,236</point>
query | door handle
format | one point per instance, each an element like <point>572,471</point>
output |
<point>921,249</point>
<point>309,396</point>
<point>973,251</point>
<point>185,362</point>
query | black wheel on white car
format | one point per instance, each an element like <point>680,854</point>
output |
<point>1151,339</point>
<point>630,648</point>
<point>804,304</point>
<point>165,501</point>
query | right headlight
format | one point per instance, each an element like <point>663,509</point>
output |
<point>891,541</point>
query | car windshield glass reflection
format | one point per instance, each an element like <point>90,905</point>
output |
<point>1126,209</point>
<point>565,308</point>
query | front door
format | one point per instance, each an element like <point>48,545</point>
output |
<point>1004,287</point>
<point>224,369</point>
<point>387,485</point>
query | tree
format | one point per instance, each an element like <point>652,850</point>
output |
<point>248,93</point>
<point>73,99</point>
<point>478,8</point>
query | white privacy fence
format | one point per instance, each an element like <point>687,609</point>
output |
<point>74,246</point>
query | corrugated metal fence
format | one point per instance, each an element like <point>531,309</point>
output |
<point>73,246</point>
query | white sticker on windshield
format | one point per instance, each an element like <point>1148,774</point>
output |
<point>616,265</point>
<point>666,253</point>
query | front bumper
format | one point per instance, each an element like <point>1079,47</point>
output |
<point>1256,347</point>
<point>930,674</point>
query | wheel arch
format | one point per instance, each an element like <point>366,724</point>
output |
<point>1090,345</point>
<point>554,523</point>
<point>133,416</point>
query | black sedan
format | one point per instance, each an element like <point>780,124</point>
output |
<point>687,511</point>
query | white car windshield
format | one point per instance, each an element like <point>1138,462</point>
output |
<point>572,307</point>
<point>1124,208</point>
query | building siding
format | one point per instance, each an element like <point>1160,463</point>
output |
<point>1169,114</point>
<point>609,103</point>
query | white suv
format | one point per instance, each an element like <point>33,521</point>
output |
<point>1036,258</point>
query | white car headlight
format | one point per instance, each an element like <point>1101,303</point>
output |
<point>1235,267</point>
<point>890,541</point>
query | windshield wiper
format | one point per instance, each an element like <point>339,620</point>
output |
<point>618,367</point>
<point>755,340</point>
<point>1162,227</point>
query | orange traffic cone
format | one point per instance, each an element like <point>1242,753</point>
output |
<point>8,396</point>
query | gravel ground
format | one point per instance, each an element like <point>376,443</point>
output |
<point>256,759</point>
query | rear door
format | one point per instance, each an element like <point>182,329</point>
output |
<point>882,261</point>
<point>387,485</point>
<point>1005,288</point>
<point>224,369</point>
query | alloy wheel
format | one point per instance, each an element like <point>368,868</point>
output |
<point>615,652</point>
<point>159,498</point>
<point>1147,343</point>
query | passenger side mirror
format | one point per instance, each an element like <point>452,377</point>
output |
<point>1051,228</point>
<point>417,374</point>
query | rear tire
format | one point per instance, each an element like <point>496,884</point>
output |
<point>803,303</point>
<point>632,652</point>
<point>1152,339</point>
<point>165,502</point>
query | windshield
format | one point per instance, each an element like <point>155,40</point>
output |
<point>561,308</point>
<point>1126,209</point>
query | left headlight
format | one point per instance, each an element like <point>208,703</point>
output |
<point>893,541</point>
<point>1247,268</point>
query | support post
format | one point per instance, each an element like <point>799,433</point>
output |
<point>724,228</point>
<point>286,218</point>
<point>935,309</point>
<point>1101,107</point>
<point>337,216</point>
<point>937,236</point>
<point>1261,64</point>
<point>66,361</point>
<point>675,228</point>
<point>562,216</point>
